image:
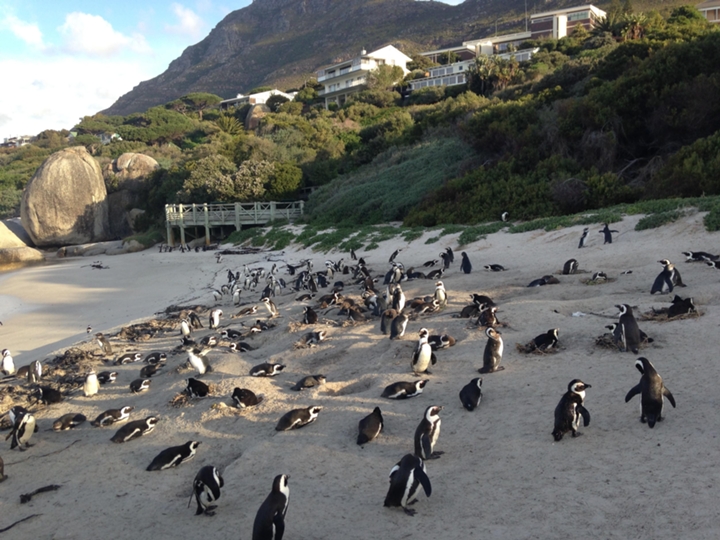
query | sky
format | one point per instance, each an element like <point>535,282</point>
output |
<point>61,60</point>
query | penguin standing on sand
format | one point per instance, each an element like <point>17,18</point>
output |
<point>627,332</point>
<point>215,316</point>
<point>504,216</point>
<point>185,328</point>
<point>103,343</point>
<point>398,326</point>
<point>608,234</point>
<point>386,320</point>
<point>398,299</point>
<point>423,355</point>
<point>196,358</point>
<point>446,259</point>
<point>174,456</point>
<point>206,488</point>
<point>465,265</point>
<point>22,431</point>
<point>652,390</point>
<point>309,316</point>
<point>405,480</point>
<point>427,434</point>
<point>34,372</point>
<point>667,279</point>
<point>583,237</point>
<point>270,306</point>
<point>493,352</point>
<point>8,364</point>
<point>92,385</point>
<point>269,521</point>
<point>571,410</point>
<point>370,427</point>
<point>440,295</point>
<point>471,394</point>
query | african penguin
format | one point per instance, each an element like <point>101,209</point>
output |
<point>394,254</point>
<point>386,320</point>
<point>404,390</point>
<point>206,489</point>
<point>135,429</point>
<point>270,306</point>
<point>311,381</point>
<point>652,390</point>
<point>405,480</point>
<point>667,279</point>
<point>465,265</point>
<point>471,394</point>
<point>103,343</point>
<point>570,267</point>
<point>398,326</point>
<point>34,373</point>
<point>583,237</point>
<point>8,364</point>
<point>370,427</point>
<point>112,416</point>
<point>266,370</point>
<point>196,358</point>
<point>493,352</point>
<point>423,355</point>
<point>628,333</point>
<point>105,377</point>
<point>681,306</point>
<point>494,268</point>
<point>47,395</point>
<point>91,385</point>
<point>546,341</point>
<point>174,456</point>
<point>68,421</point>
<point>197,388</point>
<point>570,410</point>
<point>128,358</point>
<point>22,431</point>
<point>608,234</point>
<point>440,294</point>
<point>309,316</point>
<point>427,434</point>
<point>215,316</point>
<point>269,521</point>
<point>697,256</point>
<point>243,398</point>
<point>298,418</point>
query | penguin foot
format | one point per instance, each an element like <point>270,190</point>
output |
<point>576,434</point>
<point>210,510</point>
<point>436,455</point>
<point>410,512</point>
<point>643,419</point>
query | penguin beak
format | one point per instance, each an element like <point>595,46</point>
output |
<point>588,386</point>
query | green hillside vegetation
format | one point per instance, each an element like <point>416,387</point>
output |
<point>626,114</point>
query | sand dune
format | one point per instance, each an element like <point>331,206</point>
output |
<point>502,475</point>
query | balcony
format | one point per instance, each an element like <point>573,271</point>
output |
<point>334,71</point>
<point>339,88</point>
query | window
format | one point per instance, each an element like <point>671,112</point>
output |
<point>578,16</point>
<point>542,19</point>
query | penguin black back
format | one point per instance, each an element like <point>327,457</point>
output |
<point>570,410</point>
<point>465,265</point>
<point>471,394</point>
<point>370,426</point>
<point>652,390</point>
<point>269,521</point>
<point>405,480</point>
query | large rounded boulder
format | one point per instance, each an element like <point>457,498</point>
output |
<point>126,182</point>
<point>65,202</point>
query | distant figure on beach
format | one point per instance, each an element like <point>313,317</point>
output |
<point>583,237</point>
<point>608,234</point>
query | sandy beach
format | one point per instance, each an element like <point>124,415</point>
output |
<point>502,476</point>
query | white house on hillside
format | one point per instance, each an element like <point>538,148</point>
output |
<point>710,10</point>
<point>255,99</point>
<point>349,77</point>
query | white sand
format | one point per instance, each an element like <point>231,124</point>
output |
<point>502,475</point>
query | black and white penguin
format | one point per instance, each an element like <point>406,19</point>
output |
<point>107,377</point>
<point>697,256</point>
<point>493,352</point>
<point>627,331</point>
<point>195,321</point>
<point>241,346</point>
<point>230,333</point>
<point>47,395</point>
<point>446,261</point>
<point>546,341</point>
<point>311,381</point>
<point>471,394</point>
<point>244,398</point>
<point>504,216</point>
<point>140,385</point>
<point>174,456</point>
<point>112,416</point>
<point>570,410</point>
<point>608,234</point>
<point>8,364</point>
<point>128,358</point>
<point>197,388</point>
<point>68,421</point>
<point>185,328</point>
<point>667,279</point>
<point>714,264</point>
<point>298,418</point>
<point>269,521</point>
<point>465,265</point>
<point>488,317</point>
<point>681,306</point>
<point>103,343</point>
<point>494,267</point>
<point>215,316</point>
<point>135,429</point>
<point>386,320</point>
<point>310,316</point>
<point>150,370</point>
<point>450,254</point>
<point>427,434</point>
<point>430,263</point>
<point>570,267</point>
<point>370,427</point>
<point>440,294</point>
<point>91,386</point>
<point>312,339</point>
<point>652,390</point>
<point>583,237</point>
<point>394,254</point>
<point>398,299</point>
<point>398,326</point>
<point>404,390</point>
<point>266,370</point>
<point>34,373</point>
<point>196,359</point>
<point>423,355</point>
<point>443,341</point>
<point>206,489</point>
<point>24,426</point>
<point>270,306</point>
<point>405,480</point>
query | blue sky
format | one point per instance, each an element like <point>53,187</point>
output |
<point>61,59</point>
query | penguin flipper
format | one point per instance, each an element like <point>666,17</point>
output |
<point>426,448</point>
<point>424,480</point>
<point>585,414</point>
<point>279,523</point>
<point>634,391</point>
<point>669,283</point>
<point>669,396</point>
<point>433,359</point>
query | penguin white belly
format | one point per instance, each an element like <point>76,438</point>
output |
<point>409,492</point>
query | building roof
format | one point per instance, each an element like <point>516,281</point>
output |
<point>375,55</point>
<point>599,12</point>
<point>499,39</point>
<point>709,4</point>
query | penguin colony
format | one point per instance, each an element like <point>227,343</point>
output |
<point>395,314</point>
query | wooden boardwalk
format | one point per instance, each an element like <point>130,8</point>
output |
<point>233,214</point>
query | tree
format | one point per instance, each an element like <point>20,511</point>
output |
<point>228,124</point>
<point>307,95</point>
<point>209,180</point>
<point>284,181</point>
<point>448,58</point>
<point>634,26</point>
<point>627,7</point>
<point>420,62</point>
<point>195,102</point>
<point>384,77</point>
<point>274,101</point>
<point>250,179</point>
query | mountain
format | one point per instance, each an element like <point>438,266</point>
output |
<point>284,42</point>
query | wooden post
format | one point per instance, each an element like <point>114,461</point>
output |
<point>255,208</point>
<point>237,217</point>
<point>272,210</point>
<point>207,224</point>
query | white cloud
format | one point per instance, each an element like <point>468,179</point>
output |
<point>94,36</point>
<point>54,93</point>
<point>188,22</point>
<point>27,32</point>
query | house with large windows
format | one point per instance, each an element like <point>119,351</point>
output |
<point>346,78</point>
<point>710,10</point>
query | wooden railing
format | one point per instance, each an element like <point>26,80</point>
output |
<point>236,214</point>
